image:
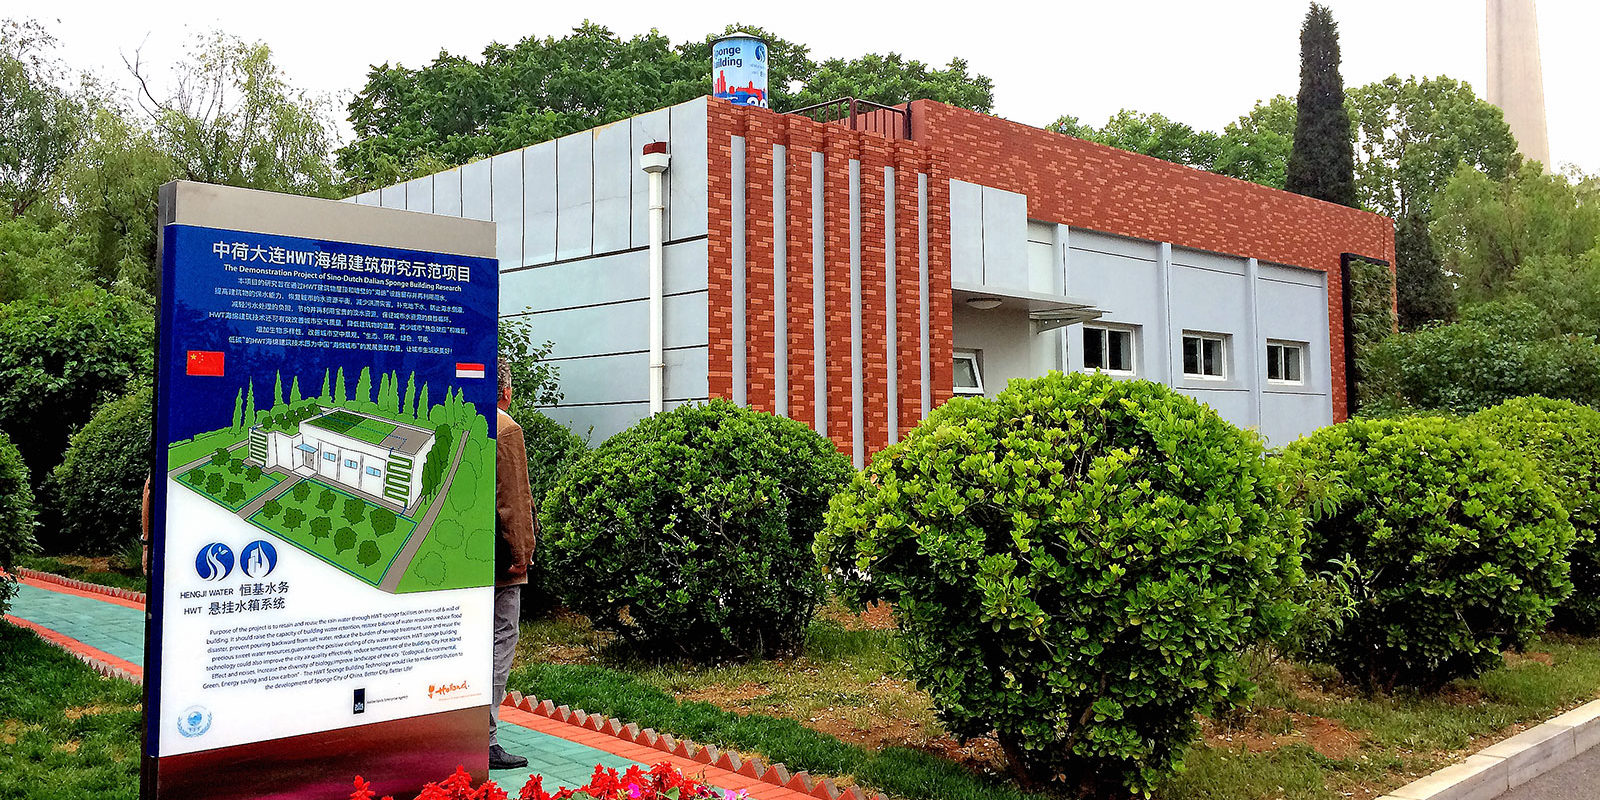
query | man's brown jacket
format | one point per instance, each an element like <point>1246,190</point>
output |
<point>516,526</point>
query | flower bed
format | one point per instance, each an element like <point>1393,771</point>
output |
<point>661,782</point>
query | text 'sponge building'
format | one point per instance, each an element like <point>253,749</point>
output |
<point>376,457</point>
<point>856,274</point>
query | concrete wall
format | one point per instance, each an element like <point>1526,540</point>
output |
<point>571,221</point>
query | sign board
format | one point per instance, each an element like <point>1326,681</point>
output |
<point>739,70</point>
<point>323,545</point>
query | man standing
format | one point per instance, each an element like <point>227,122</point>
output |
<point>516,529</point>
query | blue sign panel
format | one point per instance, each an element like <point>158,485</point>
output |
<point>739,70</point>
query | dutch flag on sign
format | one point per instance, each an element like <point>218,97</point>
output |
<point>469,370</point>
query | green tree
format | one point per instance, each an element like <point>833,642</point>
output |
<point>293,518</point>
<point>535,381</point>
<point>39,260</point>
<point>363,398</point>
<point>41,125</point>
<point>271,508</point>
<point>1322,163</point>
<point>214,483</point>
<point>235,493</point>
<point>1421,287</point>
<point>250,403</point>
<point>344,540</point>
<point>368,553</point>
<point>354,509</point>
<point>1150,134</point>
<point>1412,134</point>
<point>91,501</point>
<point>238,411</point>
<point>252,473</point>
<point>294,392</point>
<point>321,527</point>
<point>277,390</point>
<point>327,393</point>
<point>59,359</point>
<point>408,405</point>
<point>1487,229</point>
<point>340,398</point>
<point>382,521</point>
<point>17,517</point>
<point>301,491</point>
<point>894,80</point>
<point>231,117</point>
<point>422,409</point>
<point>326,500</point>
<point>1256,147</point>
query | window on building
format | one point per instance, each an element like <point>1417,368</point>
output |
<point>375,472</point>
<point>1286,362</point>
<point>1108,349</point>
<point>350,462</point>
<point>330,457</point>
<point>1205,356</point>
<point>969,373</point>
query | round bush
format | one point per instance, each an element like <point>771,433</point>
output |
<point>1454,547</point>
<point>1075,565</point>
<point>16,516</point>
<point>96,490</point>
<point>690,533</point>
<point>1563,440</point>
<point>551,449</point>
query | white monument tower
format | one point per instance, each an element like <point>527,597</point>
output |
<point>1516,81</point>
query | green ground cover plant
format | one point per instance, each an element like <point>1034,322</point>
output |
<point>1562,439</point>
<point>447,559</point>
<point>65,732</point>
<point>298,516</point>
<point>1455,547</point>
<point>1077,565</point>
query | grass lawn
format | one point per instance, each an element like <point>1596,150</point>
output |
<point>446,559</point>
<point>84,568</point>
<point>205,444</point>
<point>65,732</point>
<point>842,709</point>
<point>362,551</point>
<point>222,491</point>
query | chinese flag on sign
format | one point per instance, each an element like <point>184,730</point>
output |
<point>205,362</point>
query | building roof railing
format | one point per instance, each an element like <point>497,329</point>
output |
<point>862,115</point>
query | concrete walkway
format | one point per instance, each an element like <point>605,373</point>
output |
<point>1578,779</point>
<point>108,632</point>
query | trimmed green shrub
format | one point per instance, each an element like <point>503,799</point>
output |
<point>96,491</point>
<point>690,533</point>
<point>301,491</point>
<point>1076,566</point>
<point>551,449</point>
<point>1455,548</point>
<point>343,541</point>
<point>16,517</point>
<point>1563,440</point>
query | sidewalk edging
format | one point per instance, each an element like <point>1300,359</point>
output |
<point>754,768</point>
<point>84,586</point>
<point>1507,764</point>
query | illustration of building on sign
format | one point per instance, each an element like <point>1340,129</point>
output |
<point>377,457</point>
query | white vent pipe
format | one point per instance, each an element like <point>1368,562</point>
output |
<point>654,162</point>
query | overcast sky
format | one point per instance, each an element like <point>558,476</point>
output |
<point>1201,63</point>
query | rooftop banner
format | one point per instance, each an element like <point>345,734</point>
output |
<point>323,544</point>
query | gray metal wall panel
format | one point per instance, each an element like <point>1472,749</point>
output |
<point>368,198</point>
<point>574,195</point>
<point>477,202</point>
<point>1083,239</point>
<point>1304,277</point>
<point>539,203</point>
<point>619,328</point>
<point>655,126</point>
<point>1211,261</point>
<point>601,422</point>
<point>1234,405</point>
<point>506,205</point>
<point>614,162</point>
<point>688,175</point>
<point>392,196</point>
<point>1127,289</point>
<point>625,377</point>
<point>966,232</point>
<point>419,194</point>
<point>1293,312</point>
<point>1005,239</point>
<point>447,192</point>
<point>1208,301</point>
<point>613,278</point>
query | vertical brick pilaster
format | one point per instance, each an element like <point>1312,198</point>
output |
<point>760,134</point>
<point>941,336</point>
<point>839,148</point>
<point>722,121</point>
<point>803,140</point>
<point>908,307</point>
<point>874,295</point>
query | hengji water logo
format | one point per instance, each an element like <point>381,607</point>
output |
<point>258,559</point>
<point>214,562</point>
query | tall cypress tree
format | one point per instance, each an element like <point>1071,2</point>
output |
<point>1323,162</point>
<point>1422,290</point>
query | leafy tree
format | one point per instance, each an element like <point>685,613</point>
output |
<point>232,118</point>
<point>326,501</point>
<point>1150,134</point>
<point>1486,229</point>
<point>422,409</point>
<point>59,359</point>
<point>368,553</point>
<point>250,403</point>
<point>408,406</point>
<point>92,496</point>
<point>344,540</point>
<point>238,411</point>
<point>219,457</point>
<point>1256,147</point>
<point>214,483</point>
<point>363,396</point>
<point>271,508</point>
<point>294,392</point>
<point>1423,290</point>
<point>195,476</point>
<point>327,394</point>
<point>339,395</point>
<point>1412,134</point>
<point>354,509</point>
<point>41,125</point>
<point>293,518</point>
<point>893,80</point>
<point>1322,163</point>
<point>321,527</point>
<point>252,473</point>
<point>235,466</point>
<point>382,521</point>
<point>235,493</point>
<point>301,491</point>
<point>534,380</point>
<point>17,517</point>
<point>39,260</point>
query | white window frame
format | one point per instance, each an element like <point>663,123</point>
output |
<point>976,357</point>
<point>375,472</point>
<point>350,463</point>
<point>1300,349</point>
<point>1107,329</point>
<point>334,457</point>
<point>1222,355</point>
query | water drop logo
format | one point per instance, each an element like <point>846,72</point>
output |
<point>761,52</point>
<point>214,562</point>
<point>194,721</point>
<point>258,559</point>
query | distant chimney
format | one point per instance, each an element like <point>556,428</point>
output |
<point>1516,80</point>
<point>739,69</point>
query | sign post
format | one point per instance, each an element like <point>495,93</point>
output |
<point>323,539</point>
